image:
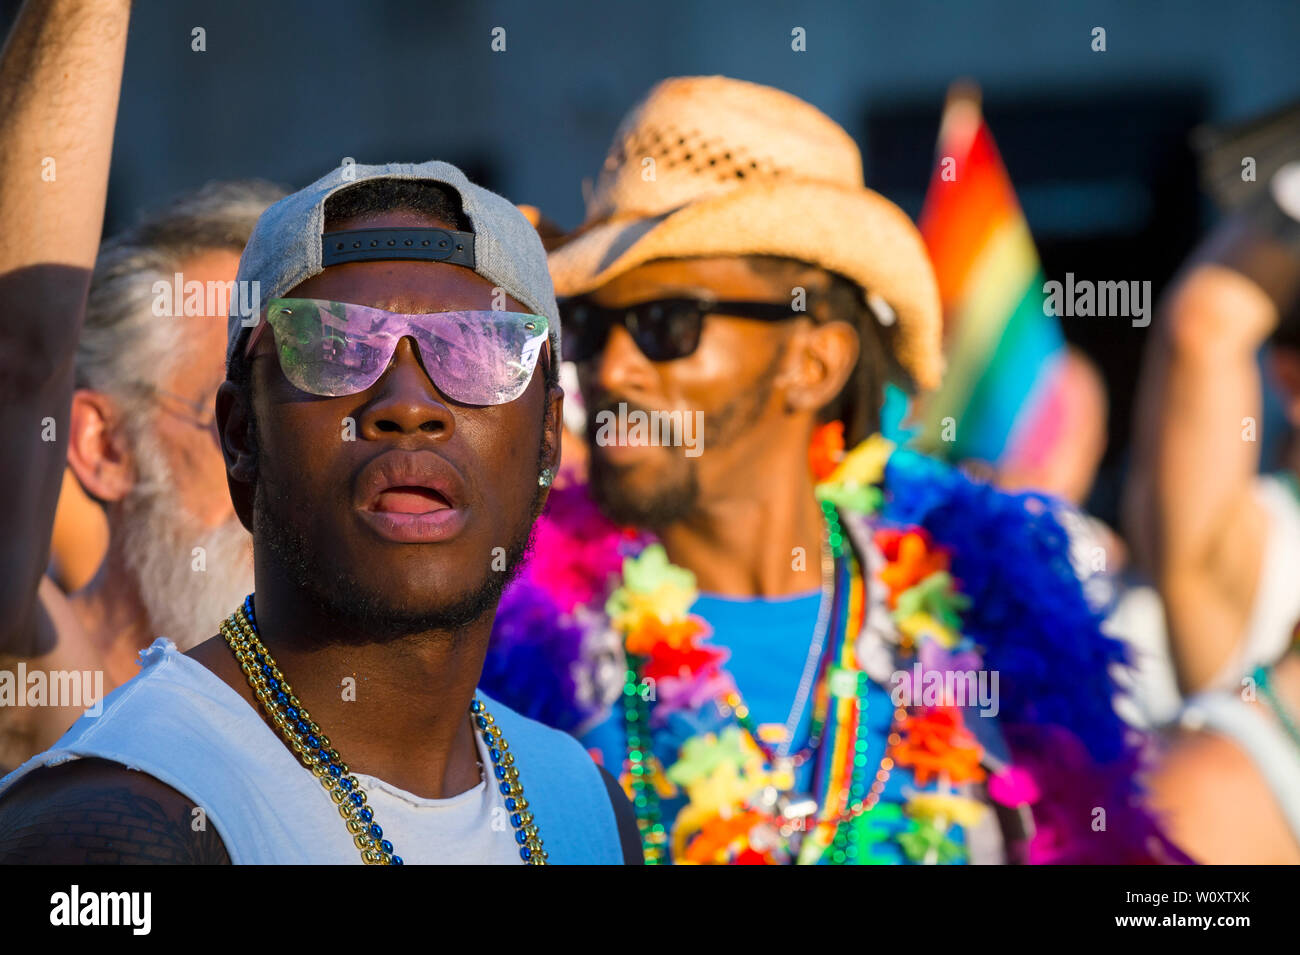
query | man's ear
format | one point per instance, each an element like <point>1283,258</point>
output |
<point>98,452</point>
<point>549,455</point>
<point>238,448</point>
<point>554,435</point>
<point>821,360</point>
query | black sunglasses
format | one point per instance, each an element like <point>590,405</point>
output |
<point>664,329</point>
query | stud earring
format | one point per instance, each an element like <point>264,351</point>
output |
<point>545,478</point>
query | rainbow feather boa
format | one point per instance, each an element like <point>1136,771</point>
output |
<point>555,657</point>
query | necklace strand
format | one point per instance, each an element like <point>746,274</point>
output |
<point>1262,680</point>
<point>856,799</point>
<point>830,539</point>
<point>313,748</point>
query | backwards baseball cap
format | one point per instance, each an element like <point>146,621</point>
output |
<point>289,244</point>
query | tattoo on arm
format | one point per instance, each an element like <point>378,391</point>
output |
<point>90,824</point>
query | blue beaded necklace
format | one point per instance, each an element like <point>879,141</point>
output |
<point>313,748</point>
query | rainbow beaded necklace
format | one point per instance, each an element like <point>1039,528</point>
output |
<point>836,739</point>
<point>312,747</point>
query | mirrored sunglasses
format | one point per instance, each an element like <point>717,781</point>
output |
<point>335,348</point>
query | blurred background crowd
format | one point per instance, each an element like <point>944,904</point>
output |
<point>1155,152</point>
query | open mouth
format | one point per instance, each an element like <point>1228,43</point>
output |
<point>410,499</point>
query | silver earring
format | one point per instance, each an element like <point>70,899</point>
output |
<point>883,311</point>
<point>545,478</point>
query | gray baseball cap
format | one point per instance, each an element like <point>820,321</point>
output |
<point>286,246</point>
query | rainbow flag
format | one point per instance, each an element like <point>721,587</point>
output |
<point>999,396</point>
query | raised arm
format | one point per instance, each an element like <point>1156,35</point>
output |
<point>60,74</point>
<point>1191,510</point>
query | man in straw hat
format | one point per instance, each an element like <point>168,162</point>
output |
<point>830,650</point>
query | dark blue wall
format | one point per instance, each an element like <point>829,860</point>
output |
<point>286,89</point>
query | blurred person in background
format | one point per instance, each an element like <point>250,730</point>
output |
<point>1228,787</point>
<point>142,434</point>
<point>137,381</point>
<point>1224,539</point>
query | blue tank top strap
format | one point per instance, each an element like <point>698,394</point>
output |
<point>564,790</point>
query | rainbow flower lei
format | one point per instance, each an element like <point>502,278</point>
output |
<point>733,779</point>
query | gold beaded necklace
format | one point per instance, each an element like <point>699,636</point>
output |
<point>312,747</point>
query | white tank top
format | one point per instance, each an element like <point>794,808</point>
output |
<point>1276,606</point>
<point>181,724</point>
<point>1260,738</point>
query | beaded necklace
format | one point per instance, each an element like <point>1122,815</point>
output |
<point>840,688</point>
<point>313,748</point>
<point>832,540</point>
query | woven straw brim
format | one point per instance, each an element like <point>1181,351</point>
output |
<point>855,232</point>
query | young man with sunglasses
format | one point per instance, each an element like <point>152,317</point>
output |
<point>390,430</point>
<point>815,648</point>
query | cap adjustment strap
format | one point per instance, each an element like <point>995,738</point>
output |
<point>432,245</point>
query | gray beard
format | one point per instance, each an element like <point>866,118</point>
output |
<point>185,594</point>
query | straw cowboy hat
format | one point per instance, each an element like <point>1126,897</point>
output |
<point>708,165</point>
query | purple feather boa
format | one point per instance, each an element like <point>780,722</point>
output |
<point>551,661</point>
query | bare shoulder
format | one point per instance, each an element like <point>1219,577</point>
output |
<point>58,644</point>
<point>1215,804</point>
<point>95,812</point>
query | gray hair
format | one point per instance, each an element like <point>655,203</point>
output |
<point>123,345</point>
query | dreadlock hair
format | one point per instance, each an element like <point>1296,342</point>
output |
<point>859,401</point>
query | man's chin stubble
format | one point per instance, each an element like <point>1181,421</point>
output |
<point>672,500</point>
<point>366,613</point>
